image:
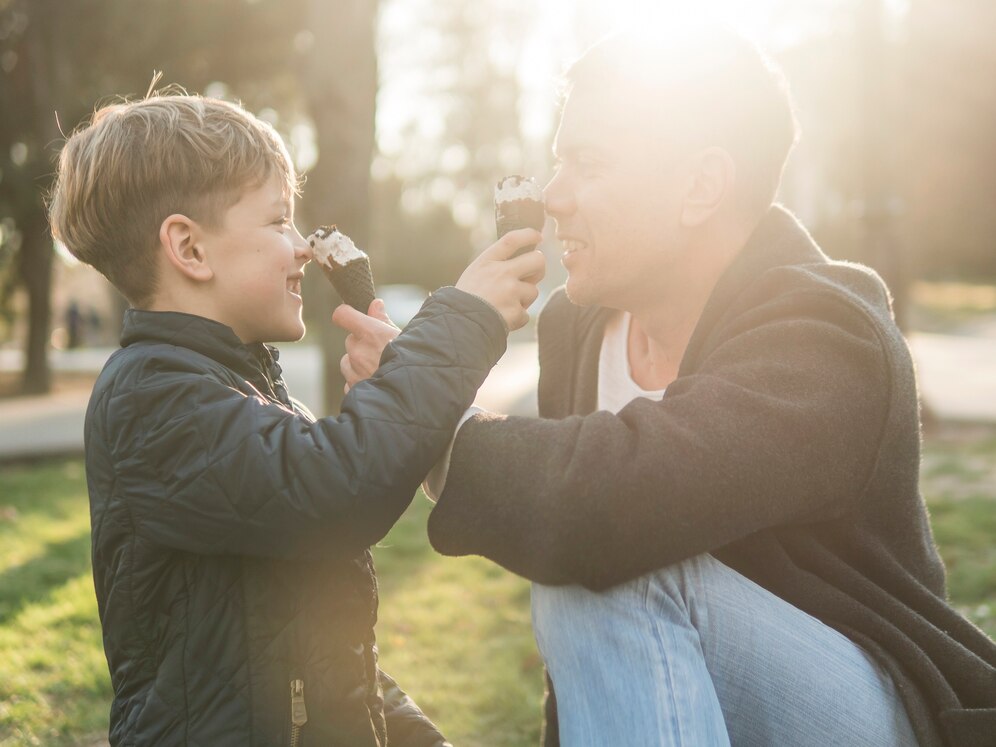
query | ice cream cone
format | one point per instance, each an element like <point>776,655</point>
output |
<point>353,282</point>
<point>518,204</point>
<point>346,266</point>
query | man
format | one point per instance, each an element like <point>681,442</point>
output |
<point>719,506</point>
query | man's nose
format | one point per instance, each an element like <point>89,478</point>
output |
<point>557,196</point>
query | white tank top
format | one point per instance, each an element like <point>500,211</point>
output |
<point>616,387</point>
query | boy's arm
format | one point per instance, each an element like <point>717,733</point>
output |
<point>407,726</point>
<point>234,473</point>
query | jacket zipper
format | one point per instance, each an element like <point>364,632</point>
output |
<point>299,714</point>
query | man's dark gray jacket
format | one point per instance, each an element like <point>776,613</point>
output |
<point>230,528</point>
<point>788,446</point>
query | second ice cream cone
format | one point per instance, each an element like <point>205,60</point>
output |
<point>518,204</point>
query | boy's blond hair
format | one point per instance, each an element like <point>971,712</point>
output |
<point>136,163</point>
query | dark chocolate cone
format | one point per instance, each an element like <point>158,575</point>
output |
<point>513,214</point>
<point>353,282</point>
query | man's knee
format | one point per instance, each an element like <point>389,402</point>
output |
<point>681,586</point>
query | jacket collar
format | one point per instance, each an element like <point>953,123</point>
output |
<point>778,240</point>
<point>255,361</point>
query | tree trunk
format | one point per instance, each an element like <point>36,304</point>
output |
<point>36,249</point>
<point>341,79</point>
<point>36,274</point>
<point>882,249</point>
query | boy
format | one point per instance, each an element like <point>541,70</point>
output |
<point>230,528</point>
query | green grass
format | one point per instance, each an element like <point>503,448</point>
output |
<point>54,687</point>
<point>958,478</point>
<point>454,633</point>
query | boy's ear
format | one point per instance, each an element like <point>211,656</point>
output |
<point>710,184</point>
<point>180,238</point>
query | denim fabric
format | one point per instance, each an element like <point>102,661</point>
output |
<point>697,654</point>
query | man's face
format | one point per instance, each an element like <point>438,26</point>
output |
<point>258,258</point>
<point>616,201</point>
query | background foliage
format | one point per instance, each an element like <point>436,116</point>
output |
<point>404,112</point>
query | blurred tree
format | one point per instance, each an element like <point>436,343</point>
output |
<point>424,247</point>
<point>949,152</point>
<point>898,111</point>
<point>57,57</point>
<point>455,84</point>
<point>339,73</point>
<point>876,96</point>
<point>30,73</point>
<point>842,177</point>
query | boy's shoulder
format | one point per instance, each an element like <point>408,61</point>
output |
<point>137,379</point>
<point>164,346</point>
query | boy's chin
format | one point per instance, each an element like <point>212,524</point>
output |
<point>293,333</point>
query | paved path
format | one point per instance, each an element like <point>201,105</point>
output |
<point>957,379</point>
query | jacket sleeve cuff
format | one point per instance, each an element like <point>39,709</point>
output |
<point>435,481</point>
<point>468,302</point>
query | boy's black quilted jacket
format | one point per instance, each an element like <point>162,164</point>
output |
<point>230,528</point>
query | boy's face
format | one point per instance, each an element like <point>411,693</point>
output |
<point>258,256</point>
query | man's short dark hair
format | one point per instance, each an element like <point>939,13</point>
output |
<point>701,86</point>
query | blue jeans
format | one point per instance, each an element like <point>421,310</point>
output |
<point>697,654</point>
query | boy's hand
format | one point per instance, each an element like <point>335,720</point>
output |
<point>507,284</point>
<point>368,336</point>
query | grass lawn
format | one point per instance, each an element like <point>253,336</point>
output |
<point>455,633</point>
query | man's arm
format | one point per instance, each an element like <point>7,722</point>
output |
<point>780,424</point>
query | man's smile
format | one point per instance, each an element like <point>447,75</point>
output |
<point>573,245</point>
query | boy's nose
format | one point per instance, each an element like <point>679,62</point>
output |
<point>302,249</point>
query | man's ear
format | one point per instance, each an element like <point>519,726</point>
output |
<point>711,182</point>
<point>180,239</point>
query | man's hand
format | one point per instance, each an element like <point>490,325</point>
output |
<point>507,284</point>
<point>368,336</point>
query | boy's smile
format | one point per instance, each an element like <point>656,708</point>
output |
<point>257,257</point>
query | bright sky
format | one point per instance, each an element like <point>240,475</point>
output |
<point>410,119</point>
<point>559,31</point>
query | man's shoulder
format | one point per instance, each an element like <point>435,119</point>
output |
<point>838,282</point>
<point>781,262</point>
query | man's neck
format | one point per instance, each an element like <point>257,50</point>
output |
<point>657,341</point>
<point>662,328</point>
